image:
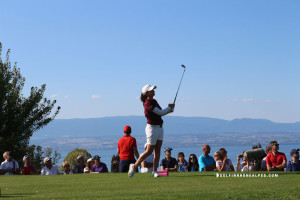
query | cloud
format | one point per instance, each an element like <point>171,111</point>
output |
<point>234,100</point>
<point>96,96</point>
<point>66,97</point>
<point>248,100</point>
<point>53,96</point>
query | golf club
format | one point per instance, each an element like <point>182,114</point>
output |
<point>180,82</point>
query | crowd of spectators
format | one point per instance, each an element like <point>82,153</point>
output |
<point>272,161</point>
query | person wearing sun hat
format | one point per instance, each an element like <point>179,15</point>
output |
<point>154,128</point>
<point>294,164</point>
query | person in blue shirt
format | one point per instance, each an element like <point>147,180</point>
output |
<point>294,165</point>
<point>206,162</point>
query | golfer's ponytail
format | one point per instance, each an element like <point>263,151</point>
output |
<point>143,98</point>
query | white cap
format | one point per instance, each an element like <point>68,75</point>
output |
<point>46,159</point>
<point>148,88</point>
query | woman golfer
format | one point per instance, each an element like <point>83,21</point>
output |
<point>154,129</point>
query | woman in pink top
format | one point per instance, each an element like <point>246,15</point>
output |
<point>154,129</point>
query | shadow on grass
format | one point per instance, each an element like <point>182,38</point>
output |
<point>16,195</point>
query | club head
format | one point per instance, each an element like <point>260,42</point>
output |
<point>183,66</point>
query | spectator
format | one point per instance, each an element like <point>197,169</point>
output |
<point>127,149</point>
<point>276,161</point>
<point>66,165</point>
<point>49,169</point>
<point>206,162</point>
<point>294,165</point>
<point>244,166</point>
<point>80,167</point>
<point>168,163</point>
<point>28,168</point>
<point>264,160</point>
<point>99,167</point>
<point>9,166</point>
<point>89,165</point>
<point>181,163</point>
<point>193,164</point>
<point>147,164</point>
<point>223,163</point>
<point>115,163</point>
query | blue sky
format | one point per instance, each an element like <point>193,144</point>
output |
<point>242,57</point>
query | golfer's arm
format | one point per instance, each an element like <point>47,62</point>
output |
<point>162,112</point>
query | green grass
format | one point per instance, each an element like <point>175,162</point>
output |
<point>143,186</point>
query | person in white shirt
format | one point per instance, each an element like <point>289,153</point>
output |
<point>147,164</point>
<point>245,165</point>
<point>9,166</point>
<point>49,169</point>
<point>222,162</point>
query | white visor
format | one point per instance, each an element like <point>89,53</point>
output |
<point>148,88</point>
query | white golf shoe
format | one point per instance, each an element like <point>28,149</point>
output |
<point>155,174</point>
<point>131,170</point>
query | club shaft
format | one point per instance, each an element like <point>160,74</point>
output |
<point>179,86</point>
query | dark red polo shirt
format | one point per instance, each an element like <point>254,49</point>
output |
<point>275,160</point>
<point>152,118</point>
<point>28,169</point>
<point>126,145</point>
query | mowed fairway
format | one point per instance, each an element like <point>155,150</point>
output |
<point>193,185</point>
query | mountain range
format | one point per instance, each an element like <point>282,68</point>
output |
<point>113,126</point>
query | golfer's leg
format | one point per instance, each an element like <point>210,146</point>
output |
<point>157,154</point>
<point>144,155</point>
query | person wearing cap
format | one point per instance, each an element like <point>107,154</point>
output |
<point>169,163</point>
<point>127,149</point>
<point>276,161</point>
<point>99,167</point>
<point>154,128</point>
<point>49,169</point>
<point>294,164</point>
<point>206,162</point>
<point>9,166</point>
<point>28,168</point>
<point>89,165</point>
<point>147,164</point>
<point>79,168</point>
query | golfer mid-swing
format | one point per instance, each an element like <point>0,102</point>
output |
<point>154,128</point>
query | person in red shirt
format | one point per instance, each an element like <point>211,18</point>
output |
<point>28,168</point>
<point>154,128</point>
<point>127,149</point>
<point>276,161</point>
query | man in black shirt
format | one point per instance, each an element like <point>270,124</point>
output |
<point>168,163</point>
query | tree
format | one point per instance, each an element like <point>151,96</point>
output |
<point>20,117</point>
<point>72,156</point>
<point>54,155</point>
<point>37,156</point>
